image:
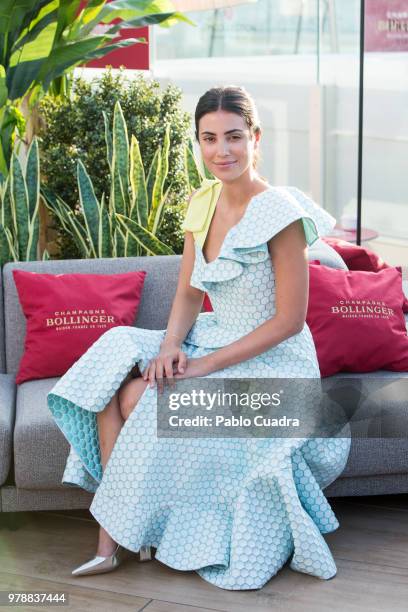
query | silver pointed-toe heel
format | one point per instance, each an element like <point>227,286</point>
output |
<point>101,565</point>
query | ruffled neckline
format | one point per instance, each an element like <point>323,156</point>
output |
<point>266,214</point>
<point>232,231</point>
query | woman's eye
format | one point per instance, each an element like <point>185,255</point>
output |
<point>236,137</point>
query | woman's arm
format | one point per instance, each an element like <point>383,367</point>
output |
<point>187,301</point>
<point>288,252</point>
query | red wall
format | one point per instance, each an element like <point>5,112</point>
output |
<point>136,56</point>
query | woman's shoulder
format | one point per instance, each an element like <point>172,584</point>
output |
<point>287,200</point>
<point>277,207</point>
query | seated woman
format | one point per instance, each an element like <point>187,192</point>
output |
<point>233,509</point>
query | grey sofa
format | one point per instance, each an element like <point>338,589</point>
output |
<point>33,451</point>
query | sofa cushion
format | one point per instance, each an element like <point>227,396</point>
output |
<point>7,411</point>
<point>356,320</point>
<point>374,456</point>
<point>158,292</point>
<point>387,453</point>
<point>40,449</point>
<point>326,255</point>
<point>67,313</point>
<point>359,257</point>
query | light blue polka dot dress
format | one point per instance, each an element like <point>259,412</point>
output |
<point>233,509</point>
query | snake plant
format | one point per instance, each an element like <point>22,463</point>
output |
<point>126,225</point>
<point>19,206</point>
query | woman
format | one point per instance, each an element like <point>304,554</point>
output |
<point>232,509</point>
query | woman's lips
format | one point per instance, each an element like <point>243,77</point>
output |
<point>225,164</point>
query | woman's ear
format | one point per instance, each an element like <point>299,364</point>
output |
<point>257,135</point>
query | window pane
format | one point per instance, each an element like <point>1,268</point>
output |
<point>385,144</point>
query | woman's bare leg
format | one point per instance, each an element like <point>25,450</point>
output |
<point>110,422</point>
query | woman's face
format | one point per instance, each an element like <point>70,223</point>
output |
<point>227,145</point>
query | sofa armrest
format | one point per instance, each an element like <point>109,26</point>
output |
<point>7,416</point>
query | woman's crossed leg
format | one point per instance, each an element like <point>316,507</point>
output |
<point>110,421</point>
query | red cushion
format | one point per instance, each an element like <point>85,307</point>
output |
<point>356,320</point>
<point>360,258</point>
<point>66,313</point>
<point>207,304</point>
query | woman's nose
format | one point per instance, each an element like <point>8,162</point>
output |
<point>223,147</point>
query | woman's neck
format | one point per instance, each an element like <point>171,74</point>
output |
<point>238,193</point>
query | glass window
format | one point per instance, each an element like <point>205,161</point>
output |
<point>300,61</point>
<point>385,142</point>
<point>266,27</point>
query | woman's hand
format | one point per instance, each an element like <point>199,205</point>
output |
<point>170,360</point>
<point>199,366</point>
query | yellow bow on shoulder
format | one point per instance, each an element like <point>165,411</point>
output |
<point>201,208</point>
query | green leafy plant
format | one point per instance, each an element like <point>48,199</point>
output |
<point>41,41</point>
<point>129,224</point>
<point>19,206</point>
<point>75,129</point>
